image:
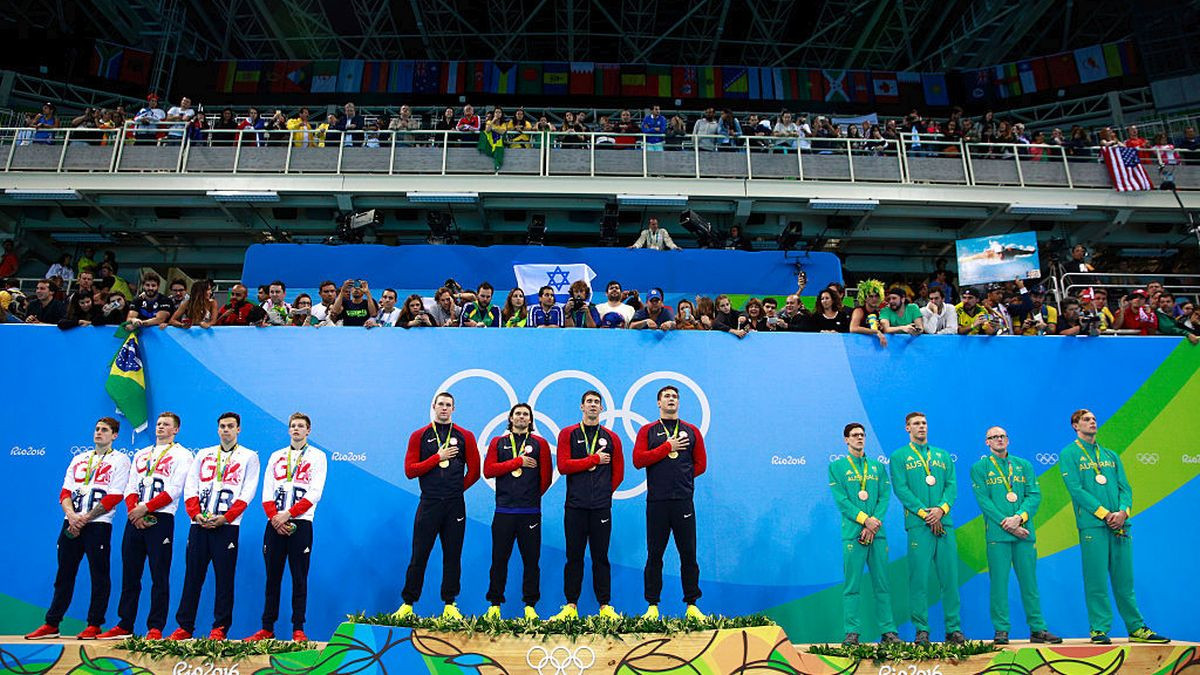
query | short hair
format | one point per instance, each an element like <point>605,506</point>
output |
<point>514,409</point>
<point>938,290</point>
<point>327,282</point>
<point>896,290</point>
<point>484,286</point>
<point>151,275</point>
<point>263,287</point>
<point>390,290</point>
<point>43,281</point>
<point>1078,415</point>
<point>111,423</point>
<point>278,283</point>
<point>669,387</point>
<point>770,301</point>
<point>179,281</point>
<point>914,414</point>
<point>590,392</point>
<point>851,427</point>
<point>88,271</point>
<point>438,293</point>
<point>230,415</point>
<point>543,289</point>
<point>441,394</point>
<point>172,416</point>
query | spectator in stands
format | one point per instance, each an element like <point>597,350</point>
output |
<point>997,311</point>
<point>481,313</point>
<point>1078,262</point>
<point>146,121</point>
<point>754,318</point>
<point>149,308</point>
<point>116,308</point>
<point>1069,318</point>
<point>676,133</point>
<point>900,315</point>
<point>350,126</point>
<point>1189,146</point>
<point>354,304</point>
<point>1191,317</point>
<point>938,317</point>
<point>515,314</point>
<point>705,130</point>
<point>277,309</point>
<point>264,294</point>
<point>9,261</point>
<point>655,238</point>
<point>302,130</point>
<point>237,311</point>
<point>200,307</point>
<point>627,130</point>
<point>85,286</point>
<point>61,269</point>
<point>1040,319</point>
<point>253,129</point>
<point>178,118</point>
<point>1153,288</point>
<point>545,314</point>
<point>6,302</point>
<point>654,126</point>
<point>197,130</point>
<point>277,129</point>
<point>705,312</point>
<point>729,130</point>
<point>497,123</point>
<point>178,294</point>
<point>655,315</point>
<point>43,124</point>
<point>414,315</point>
<point>444,312</point>
<point>795,317</point>
<point>1133,137</point>
<point>468,126</point>
<point>727,319</point>
<point>82,312</point>
<point>1168,323</point>
<point>90,119</point>
<point>1136,314</point>
<point>389,314</point>
<point>865,317</point>
<point>1095,302</point>
<point>575,138</point>
<point>301,311</point>
<point>1108,138</point>
<point>447,122</point>
<point>579,311</point>
<point>941,281</point>
<point>973,318</point>
<point>770,310</point>
<point>685,316</point>
<point>320,312</point>
<point>736,241</point>
<point>786,132</point>
<point>226,127</point>
<point>521,126</point>
<point>1079,143</point>
<point>614,312</point>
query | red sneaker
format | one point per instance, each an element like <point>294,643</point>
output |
<point>299,636</point>
<point>46,632</point>
<point>217,634</point>
<point>180,634</point>
<point>154,634</point>
<point>89,633</point>
<point>114,633</point>
<point>263,634</point>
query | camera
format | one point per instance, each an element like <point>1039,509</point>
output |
<point>1089,322</point>
<point>453,286</point>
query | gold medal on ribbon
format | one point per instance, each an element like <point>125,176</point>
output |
<point>517,473</point>
<point>673,455</point>
<point>445,464</point>
<point>450,440</point>
<point>930,479</point>
<point>1101,478</point>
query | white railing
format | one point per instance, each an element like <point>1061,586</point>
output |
<point>174,149</point>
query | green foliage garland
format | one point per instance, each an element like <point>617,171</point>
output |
<point>572,628</point>
<point>906,651</point>
<point>210,650</point>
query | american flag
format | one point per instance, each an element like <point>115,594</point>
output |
<point>1125,169</point>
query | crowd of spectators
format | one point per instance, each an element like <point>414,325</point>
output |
<point>712,130</point>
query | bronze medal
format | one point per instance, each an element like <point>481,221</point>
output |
<point>1011,497</point>
<point>1101,478</point>
<point>931,480</point>
<point>862,494</point>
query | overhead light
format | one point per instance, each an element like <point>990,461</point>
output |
<point>244,195</point>
<point>1041,209</point>
<point>34,195</point>
<point>652,200</point>
<point>443,197</point>
<point>843,204</point>
<point>81,237</point>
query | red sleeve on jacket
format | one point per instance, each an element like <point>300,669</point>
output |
<point>130,502</point>
<point>270,509</point>
<point>235,511</point>
<point>472,460</point>
<point>644,456</point>
<point>192,506</point>
<point>413,466</point>
<point>618,462</point>
<point>63,494</point>
<point>300,507</point>
<point>545,468</point>
<point>492,466</point>
<point>699,455</point>
<point>160,500</point>
<point>567,465</point>
<point>109,502</point>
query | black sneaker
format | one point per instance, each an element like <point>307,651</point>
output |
<point>890,638</point>
<point>1045,636</point>
<point>922,638</point>
<point>1001,637</point>
<point>956,637</point>
<point>851,640</point>
<point>1100,638</point>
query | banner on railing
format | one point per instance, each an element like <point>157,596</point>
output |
<point>1001,258</point>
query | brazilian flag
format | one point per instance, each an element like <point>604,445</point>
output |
<point>126,382</point>
<point>491,143</point>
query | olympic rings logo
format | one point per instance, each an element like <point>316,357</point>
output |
<point>1148,457</point>
<point>1047,457</point>
<point>560,658</point>
<point>611,413</point>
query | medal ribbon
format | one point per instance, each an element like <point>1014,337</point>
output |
<point>151,467</point>
<point>861,477</point>
<point>669,434</point>
<point>291,470</point>
<point>91,471</point>
<point>512,444</point>
<point>1094,462</point>
<point>1007,480</point>
<point>449,434</point>
<point>590,445</point>
<point>219,479</point>
<point>924,462</point>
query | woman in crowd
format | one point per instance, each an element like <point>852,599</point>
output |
<point>726,318</point>
<point>200,308</point>
<point>116,309</point>
<point>520,124</point>
<point>685,316</point>
<point>225,125</point>
<point>755,317</point>
<point>706,312</point>
<point>414,315</point>
<point>865,319</point>
<point>82,312</point>
<point>514,314</point>
<point>252,129</point>
<point>301,311</point>
<point>830,315</point>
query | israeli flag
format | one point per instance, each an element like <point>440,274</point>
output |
<point>532,276</point>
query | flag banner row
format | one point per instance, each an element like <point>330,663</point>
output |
<point>1050,73</point>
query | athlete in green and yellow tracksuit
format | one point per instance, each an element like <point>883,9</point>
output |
<point>1007,491</point>
<point>1096,480</point>
<point>923,479</point>
<point>861,492</point>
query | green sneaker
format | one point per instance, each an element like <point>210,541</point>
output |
<point>567,613</point>
<point>451,612</point>
<point>1099,637</point>
<point>607,612</point>
<point>531,613</point>
<point>651,613</point>
<point>406,610</point>
<point>1144,634</point>
<point>493,613</point>
<point>693,612</point>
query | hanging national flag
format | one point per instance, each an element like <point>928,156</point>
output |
<point>735,82</point>
<point>1034,75</point>
<point>1063,71</point>
<point>135,66</point>
<point>492,145</point>
<point>583,78</point>
<point>860,86</point>
<point>427,77</point>
<point>454,78</point>
<point>106,60</point>
<point>755,78</point>
<point>778,75</point>
<point>977,84</point>
<point>375,77</point>
<point>885,87</point>
<point>555,78</point>
<point>608,79</point>
<point>1090,61</point>
<point>658,81</point>
<point>1119,58</point>
<point>812,84</point>
<point>529,79</point>
<point>350,74</point>
<point>633,80</point>
<point>324,77</point>
<point>835,85</point>
<point>126,383</point>
<point>226,74</point>
<point>249,74</point>
<point>709,78</point>
<point>1007,80</point>
<point>1125,169</point>
<point>504,78</point>
<point>684,82</point>
<point>935,89</point>
<point>479,80</point>
<point>400,77</point>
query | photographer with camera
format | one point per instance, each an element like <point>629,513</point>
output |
<point>354,304</point>
<point>579,312</point>
<point>236,312</point>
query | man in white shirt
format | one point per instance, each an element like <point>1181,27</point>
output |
<point>388,313</point>
<point>220,484</point>
<point>147,120</point>
<point>320,312</point>
<point>705,130</point>
<point>279,312</point>
<point>614,313</point>
<point>293,482</point>
<point>655,237</point>
<point>91,489</point>
<point>152,496</point>
<point>178,117</point>
<point>940,318</point>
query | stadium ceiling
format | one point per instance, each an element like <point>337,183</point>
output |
<point>862,34</point>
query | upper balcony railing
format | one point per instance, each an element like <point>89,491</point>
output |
<point>856,160</point>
